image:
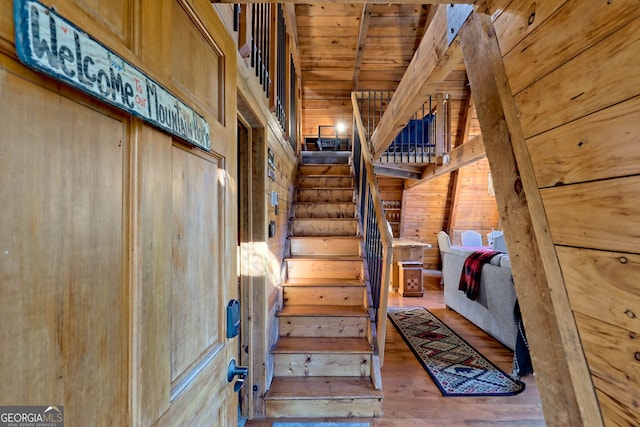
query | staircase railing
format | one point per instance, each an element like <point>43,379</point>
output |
<point>422,140</point>
<point>378,243</point>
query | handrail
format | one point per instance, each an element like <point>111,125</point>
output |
<point>378,238</point>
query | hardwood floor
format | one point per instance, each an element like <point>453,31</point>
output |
<point>411,399</point>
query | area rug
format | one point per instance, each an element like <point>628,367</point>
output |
<point>457,368</point>
<point>324,424</point>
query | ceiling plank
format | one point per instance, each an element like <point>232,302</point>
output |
<point>399,9</point>
<point>365,19</point>
<point>432,62</point>
<point>336,31</point>
<point>328,20</point>
<point>333,42</point>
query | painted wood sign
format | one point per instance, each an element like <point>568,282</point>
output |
<point>49,43</point>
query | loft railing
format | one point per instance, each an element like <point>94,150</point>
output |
<point>293,105</point>
<point>261,36</point>
<point>422,140</point>
<point>263,41</point>
<point>378,243</point>
<point>281,69</point>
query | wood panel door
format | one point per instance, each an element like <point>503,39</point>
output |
<point>188,278</point>
<point>64,296</point>
<point>198,283</point>
<point>115,268</point>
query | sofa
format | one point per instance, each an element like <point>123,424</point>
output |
<point>492,310</point>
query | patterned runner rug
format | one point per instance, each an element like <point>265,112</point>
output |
<point>323,424</point>
<point>456,367</point>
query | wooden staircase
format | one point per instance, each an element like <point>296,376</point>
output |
<point>324,363</point>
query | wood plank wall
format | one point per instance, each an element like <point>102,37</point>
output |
<point>277,246</point>
<point>573,69</point>
<point>475,207</point>
<point>391,195</point>
<point>283,185</point>
<point>425,212</point>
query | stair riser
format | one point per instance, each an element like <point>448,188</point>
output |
<point>318,365</point>
<point>324,181</point>
<point>331,159</point>
<point>325,246</point>
<point>329,295</point>
<point>325,227</point>
<point>324,269</point>
<point>324,170</point>
<point>314,408</point>
<point>332,210</point>
<point>318,326</point>
<point>325,195</point>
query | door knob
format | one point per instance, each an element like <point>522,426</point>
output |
<point>237,371</point>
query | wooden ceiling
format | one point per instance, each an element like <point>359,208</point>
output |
<point>362,46</point>
<point>347,47</point>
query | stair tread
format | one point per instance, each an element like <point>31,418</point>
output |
<point>326,187</point>
<point>327,214</point>
<point>324,219</point>
<point>349,345</point>
<point>328,175</point>
<point>307,388</point>
<point>350,202</point>
<point>325,237</point>
<point>325,257</point>
<point>323,311</point>
<point>335,174</point>
<point>304,166</point>
<point>326,153</point>
<point>323,282</point>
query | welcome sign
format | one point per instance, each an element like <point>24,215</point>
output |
<point>51,44</point>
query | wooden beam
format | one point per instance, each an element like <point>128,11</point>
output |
<point>562,374</point>
<point>432,62</point>
<point>467,153</point>
<point>456,188</point>
<point>365,19</point>
<point>396,172</point>
<point>469,107</point>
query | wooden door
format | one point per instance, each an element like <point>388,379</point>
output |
<point>187,277</point>
<point>115,268</point>
<point>64,296</point>
<point>199,286</point>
